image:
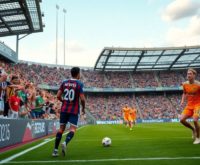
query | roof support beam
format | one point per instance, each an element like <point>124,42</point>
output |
<point>108,56</point>
<point>14,23</point>
<point>27,15</point>
<point>142,54</point>
<point>6,25</point>
<point>10,12</point>
<point>183,51</point>
<point>8,1</point>
<point>158,58</point>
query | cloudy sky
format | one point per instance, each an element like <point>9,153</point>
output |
<point>92,25</point>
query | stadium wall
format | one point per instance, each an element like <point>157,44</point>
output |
<point>18,131</point>
<point>120,90</point>
<point>142,121</point>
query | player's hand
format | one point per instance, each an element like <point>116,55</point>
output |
<point>83,115</point>
<point>82,111</point>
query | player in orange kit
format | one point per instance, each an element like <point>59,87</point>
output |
<point>133,115</point>
<point>191,92</point>
<point>126,116</point>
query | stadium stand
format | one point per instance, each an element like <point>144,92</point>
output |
<point>155,93</point>
<point>101,106</point>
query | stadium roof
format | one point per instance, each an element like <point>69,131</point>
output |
<point>20,17</point>
<point>144,59</point>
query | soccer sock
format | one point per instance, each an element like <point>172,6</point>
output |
<point>69,137</point>
<point>58,138</point>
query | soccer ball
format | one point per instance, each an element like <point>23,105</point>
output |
<point>106,142</point>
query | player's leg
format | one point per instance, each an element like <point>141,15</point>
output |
<point>184,116</point>
<point>130,122</point>
<point>126,121</point>
<point>197,139</point>
<point>134,119</point>
<point>131,125</point>
<point>73,120</point>
<point>1,108</point>
<point>63,121</point>
<point>71,133</point>
<point>58,139</point>
<point>196,124</point>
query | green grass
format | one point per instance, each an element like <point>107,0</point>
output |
<point>145,141</point>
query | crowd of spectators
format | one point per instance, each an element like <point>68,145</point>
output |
<point>20,97</point>
<point>53,76</point>
<point>109,107</point>
<point>23,79</point>
<point>144,80</point>
<point>119,79</point>
<point>171,79</point>
<point>91,78</point>
<point>156,107</point>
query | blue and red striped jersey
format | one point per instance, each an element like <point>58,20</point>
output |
<point>71,91</point>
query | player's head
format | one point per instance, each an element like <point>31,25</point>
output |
<point>15,79</point>
<point>3,76</point>
<point>191,74</point>
<point>41,93</point>
<point>75,72</point>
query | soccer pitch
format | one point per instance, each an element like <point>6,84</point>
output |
<point>163,143</point>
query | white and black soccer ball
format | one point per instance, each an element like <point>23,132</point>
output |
<point>106,142</point>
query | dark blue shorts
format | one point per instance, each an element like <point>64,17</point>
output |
<point>68,117</point>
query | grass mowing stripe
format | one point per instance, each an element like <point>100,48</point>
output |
<point>124,139</point>
<point>29,149</point>
<point>106,160</point>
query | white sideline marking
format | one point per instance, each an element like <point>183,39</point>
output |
<point>106,160</point>
<point>29,149</point>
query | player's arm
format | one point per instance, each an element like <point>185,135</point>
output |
<point>60,92</point>
<point>16,86</point>
<point>183,97</point>
<point>9,103</point>
<point>7,93</point>
<point>59,95</point>
<point>82,98</point>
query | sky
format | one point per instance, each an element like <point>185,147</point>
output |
<point>92,25</point>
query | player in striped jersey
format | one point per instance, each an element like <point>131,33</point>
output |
<point>69,93</point>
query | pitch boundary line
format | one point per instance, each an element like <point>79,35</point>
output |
<point>106,160</point>
<point>29,149</point>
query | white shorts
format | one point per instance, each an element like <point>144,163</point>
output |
<point>1,105</point>
<point>13,114</point>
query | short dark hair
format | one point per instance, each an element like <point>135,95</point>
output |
<point>14,77</point>
<point>75,71</point>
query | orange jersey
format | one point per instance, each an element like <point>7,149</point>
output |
<point>126,112</point>
<point>192,92</point>
<point>133,113</point>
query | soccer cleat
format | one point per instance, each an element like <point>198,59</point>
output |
<point>131,129</point>
<point>197,141</point>
<point>55,153</point>
<point>64,148</point>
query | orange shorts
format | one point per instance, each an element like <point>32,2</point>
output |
<point>126,117</point>
<point>192,112</point>
<point>133,118</point>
